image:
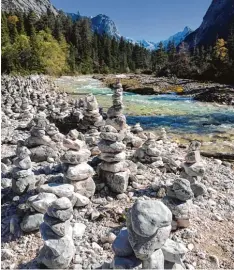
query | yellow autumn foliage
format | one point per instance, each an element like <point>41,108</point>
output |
<point>221,51</point>
<point>12,19</point>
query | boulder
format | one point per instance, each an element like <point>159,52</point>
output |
<point>57,253</point>
<point>148,216</point>
<point>181,190</point>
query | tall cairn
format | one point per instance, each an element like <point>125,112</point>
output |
<point>56,231</point>
<point>113,168</point>
<point>194,169</point>
<point>23,176</point>
<point>92,117</point>
<point>76,170</point>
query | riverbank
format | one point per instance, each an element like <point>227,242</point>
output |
<point>151,85</point>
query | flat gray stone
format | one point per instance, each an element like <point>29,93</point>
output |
<point>111,147</point>
<point>31,223</point>
<point>63,215</point>
<point>114,167</point>
<point>196,169</point>
<point>60,190</point>
<point>76,157</point>
<point>61,204</point>
<point>42,201</point>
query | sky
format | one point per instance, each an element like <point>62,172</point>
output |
<point>153,20</point>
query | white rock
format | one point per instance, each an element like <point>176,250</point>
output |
<point>81,200</point>
<point>78,230</point>
<point>79,172</point>
<point>173,251</point>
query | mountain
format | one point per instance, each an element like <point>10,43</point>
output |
<point>38,6</point>
<point>100,24</point>
<point>103,24</point>
<point>178,38</point>
<point>216,23</point>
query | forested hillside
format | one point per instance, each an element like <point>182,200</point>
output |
<point>57,45</point>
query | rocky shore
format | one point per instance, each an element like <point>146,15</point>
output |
<point>81,189</point>
<point>150,85</point>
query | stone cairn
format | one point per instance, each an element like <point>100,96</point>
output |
<point>115,116</point>
<point>92,118</point>
<point>43,140</point>
<point>23,176</point>
<point>56,231</point>
<point>184,189</point>
<point>194,169</point>
<point>134,137</point>
<point>179,201</point>
<point>145,240</point>
<point>149,152</point>
<point>76,170</point>
<point>33,211</point>
<point>163,135</point>
<point>113,169</point>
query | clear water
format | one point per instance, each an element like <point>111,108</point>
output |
<point>177,114</point>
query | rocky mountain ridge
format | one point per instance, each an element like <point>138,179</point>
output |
<point>216,23</point>
<point>38,6</point>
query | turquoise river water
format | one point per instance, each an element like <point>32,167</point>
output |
<point>175,113</point>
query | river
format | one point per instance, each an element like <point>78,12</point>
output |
<point>178,114</point>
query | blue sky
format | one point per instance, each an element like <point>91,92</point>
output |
<point>152,20</point>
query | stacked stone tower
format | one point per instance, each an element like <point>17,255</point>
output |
<point>56,231</point>
<point>148,152</point>
<point>23,177</point>
<point>113,168</point>
<point>148,228</point>
<point>76,170</point>
<point>194,168</point>
<point>115,116</point>
<point>92,117</point>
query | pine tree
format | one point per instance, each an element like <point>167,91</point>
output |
<point>4,31</point>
